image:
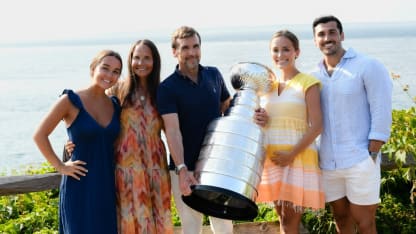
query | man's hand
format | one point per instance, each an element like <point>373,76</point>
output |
<point>69,147</point>
<point>375,145</point>
<point>186,179</point>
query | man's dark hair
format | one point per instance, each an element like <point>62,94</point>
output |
<point>325,19</point>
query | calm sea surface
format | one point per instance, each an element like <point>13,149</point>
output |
<point>32,76</point>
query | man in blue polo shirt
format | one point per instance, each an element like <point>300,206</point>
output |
<point>188,100</point>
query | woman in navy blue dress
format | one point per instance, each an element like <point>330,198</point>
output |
<point>87,192</point>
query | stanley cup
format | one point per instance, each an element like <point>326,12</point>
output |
<point>230,163</point>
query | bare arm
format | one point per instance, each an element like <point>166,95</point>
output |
<point>174,139</point>
<point>63,109</point>
<point>313,107</point>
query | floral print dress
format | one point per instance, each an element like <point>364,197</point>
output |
<point>142,176</point>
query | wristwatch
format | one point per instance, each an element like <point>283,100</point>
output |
<point>179,168</point>
<point>373,155</point>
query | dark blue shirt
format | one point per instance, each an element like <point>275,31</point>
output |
<point>196,104</point>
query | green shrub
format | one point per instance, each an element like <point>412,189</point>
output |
<point>319,223</point>
<point>394,216</point>
<point>267,213</point>
<point>402,141</point>
<point>32,212</point>
<point>29,213</point>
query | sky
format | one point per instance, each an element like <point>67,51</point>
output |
<point>40,20</point>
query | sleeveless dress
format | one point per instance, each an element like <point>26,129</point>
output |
<point>88,206</point>
<point>298,184</point>
<point>142,176</point>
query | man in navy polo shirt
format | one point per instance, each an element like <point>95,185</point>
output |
<point>188,100</point>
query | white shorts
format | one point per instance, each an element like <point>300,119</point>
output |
<point>360,183</point>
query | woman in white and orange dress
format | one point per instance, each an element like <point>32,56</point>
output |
<point>291,177</point>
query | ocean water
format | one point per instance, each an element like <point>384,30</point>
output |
<point>33,75</point>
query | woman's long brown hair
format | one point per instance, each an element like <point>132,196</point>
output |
<point>132,83</point>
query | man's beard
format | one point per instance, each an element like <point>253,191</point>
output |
<point>192,63</point>
<point>331,51</point>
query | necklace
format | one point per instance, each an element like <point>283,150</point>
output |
<point>142,99</point>
<point>141,95</point>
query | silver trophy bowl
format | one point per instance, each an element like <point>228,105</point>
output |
<point>231,159</point>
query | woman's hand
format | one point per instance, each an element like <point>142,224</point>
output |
<point>74,169</point>
<point>282,158</point>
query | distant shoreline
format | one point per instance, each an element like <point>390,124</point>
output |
<point>303,31</point>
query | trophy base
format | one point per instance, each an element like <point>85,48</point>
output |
<point>221,203</point>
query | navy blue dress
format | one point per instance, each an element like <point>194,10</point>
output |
<point>89,205</point>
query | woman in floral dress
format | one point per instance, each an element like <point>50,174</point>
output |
<point>142,176</point>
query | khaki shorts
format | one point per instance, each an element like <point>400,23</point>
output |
<point>360,183</point>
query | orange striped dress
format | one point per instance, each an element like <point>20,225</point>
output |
<point>298,184</point>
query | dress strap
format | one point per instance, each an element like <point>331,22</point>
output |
<point>116,104</point>
<point>73,97</point>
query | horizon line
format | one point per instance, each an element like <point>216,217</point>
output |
<point>217,34</point>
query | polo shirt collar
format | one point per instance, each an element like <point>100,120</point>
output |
<point>179,73</point>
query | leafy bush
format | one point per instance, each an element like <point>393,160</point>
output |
<point>402,143</point>
<point>321,223</point>
<point>403,138</point>
<point>266,213</point>
<point>394,216</point>
<point>32,212</point>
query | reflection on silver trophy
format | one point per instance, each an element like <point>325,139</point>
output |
<point>231,160</point>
